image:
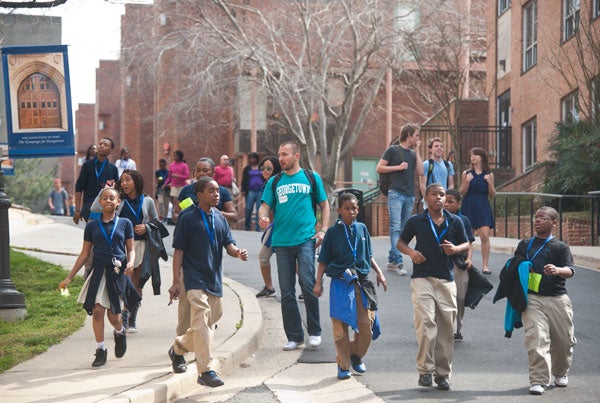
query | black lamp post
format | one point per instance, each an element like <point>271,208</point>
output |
<point>12,302</point>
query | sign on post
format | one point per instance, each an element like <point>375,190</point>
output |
<point>39,116</point>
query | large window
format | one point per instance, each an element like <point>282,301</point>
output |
<point>529,140</point>
<point>570,108</point>
<point>570,18</point>
<point>503,5</point>
<point>530,35</point>
<point>595,99</point>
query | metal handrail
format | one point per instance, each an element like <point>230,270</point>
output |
<point>592,197</point>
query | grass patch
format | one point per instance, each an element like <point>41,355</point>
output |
<point>50,316</point>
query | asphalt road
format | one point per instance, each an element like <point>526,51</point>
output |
<point>487,366</point>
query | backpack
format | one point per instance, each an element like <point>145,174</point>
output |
<point>313,186</point>
<point>430,170</point>
<point>385,180</point>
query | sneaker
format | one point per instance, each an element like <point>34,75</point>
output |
<point>458,336</point>
<point>357,364</point>
<point>125,318</point>
<point>425,380</point>
<point>120,343</point>
<point>100,358</point>
<point>314,341</point>
<point>292,345</point>
<point>561,381</point>
<point>536,389</point>
<point>392,267</point>
<point>265,292</point>
<point>343,373</point>
<point>402,271</point>
<point>178,362</point>
<point>210,379</point>
<point>442,382</point>
<point>133,321</point>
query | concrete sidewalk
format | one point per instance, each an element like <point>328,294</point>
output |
<point>64,372</point>
<point>144,374</point>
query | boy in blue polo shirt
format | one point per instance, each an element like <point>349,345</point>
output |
<point>200,236</point>
<point>346,257</point>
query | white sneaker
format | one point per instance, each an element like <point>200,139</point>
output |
<point>536,390</point>
<point>292,345</point>
<point>561,381</point>
<point>392,267</point>
<point>402,272</point>
<point>314,341</point>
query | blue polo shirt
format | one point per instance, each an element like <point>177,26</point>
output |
<point>338,244</point>
<point>202,257</point>
<point>102,249</point>
<point>437,263</point>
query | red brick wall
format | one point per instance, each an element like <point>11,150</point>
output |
<point>108,104</point>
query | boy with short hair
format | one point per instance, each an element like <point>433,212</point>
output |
<point>439,236</point>
<point>346,257</point>
<point>461,276</point>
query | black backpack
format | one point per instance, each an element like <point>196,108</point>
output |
<point>430,170</point>
<point>313,187</point>
<point>385,179</point>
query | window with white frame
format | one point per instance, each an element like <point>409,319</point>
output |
<point>529,140</point>
<point>570,108</point>
<point>596,9</point>
<point>595,98</point>
<point>530,35</point>
<point>570,18</point>
<point>503,5</point>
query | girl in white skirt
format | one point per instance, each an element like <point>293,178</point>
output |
<point>107,288</point>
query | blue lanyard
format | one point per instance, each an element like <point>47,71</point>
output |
<point>211,231</point>
<point>539,250</point>
<point>439,237</point>
<point>109,240</point>
<point>137,214</point>
<point>101,168</point>
<point>353,249</point>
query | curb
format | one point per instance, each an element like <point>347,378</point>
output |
<point>228,356</point>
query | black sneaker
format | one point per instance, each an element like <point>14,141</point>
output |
<point>265,292</point>
<point>120,343</point>
<point>442,382</point>
<point>458,336</point>
<point>100,358</point>
<point>425,380</point>
<point>211,379</point>
<point>178,362</point>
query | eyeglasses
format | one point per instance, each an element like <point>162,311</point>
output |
<point>267,169</point>
<point>543,218</point>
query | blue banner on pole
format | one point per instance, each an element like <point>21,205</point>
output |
<point>39,116</point>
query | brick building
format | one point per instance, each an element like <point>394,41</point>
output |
<point>535,78</point>
<point>135,104</point>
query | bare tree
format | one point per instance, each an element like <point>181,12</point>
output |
<point>576,64</point>
<point>444,48</point>
<point>321,64</point>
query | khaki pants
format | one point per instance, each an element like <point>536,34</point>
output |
<point>461,279</point>
<point>183,308</point>
<point>434,305</point>
<point>549,336</point>
<point>361,341</point>
<point>206,310</point>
